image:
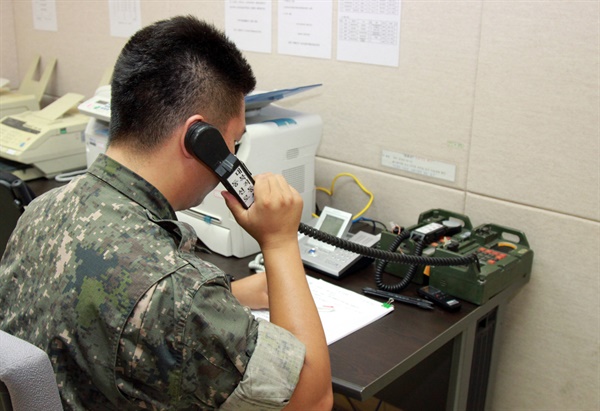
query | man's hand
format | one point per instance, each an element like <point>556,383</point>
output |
<point>274,217</point>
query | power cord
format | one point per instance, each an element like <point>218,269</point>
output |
<point>374,223</point>
<point>258,263</point>
<point>65,177</point>
<point>362,187</point>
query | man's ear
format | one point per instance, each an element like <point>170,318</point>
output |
<point>188,123</point>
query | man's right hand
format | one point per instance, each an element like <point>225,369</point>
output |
<point>275,215</point>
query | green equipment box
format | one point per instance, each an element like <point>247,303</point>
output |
<point>408,246</point>
<point>504,257</point>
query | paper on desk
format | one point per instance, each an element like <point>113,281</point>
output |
<point>342,311</point>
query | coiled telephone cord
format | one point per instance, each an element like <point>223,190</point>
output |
<point>384,255</point>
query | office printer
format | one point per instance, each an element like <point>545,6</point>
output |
<point>30,92</point>
<point>46,142</point>
<point>277,140</point>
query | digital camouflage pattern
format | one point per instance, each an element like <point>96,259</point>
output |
<point>101,275</point>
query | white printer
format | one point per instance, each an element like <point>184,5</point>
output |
<point>96,131</point>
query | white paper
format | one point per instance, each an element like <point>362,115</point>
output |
<point>369,31</point>
<point>248,24</point>
<point>44,15</point>
<point>341,311</point>
<point>125,17</point>
<point>304,28</point>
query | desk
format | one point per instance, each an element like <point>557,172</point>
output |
<point>412,358</point>
<point>41,185</point>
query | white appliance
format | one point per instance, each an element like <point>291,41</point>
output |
<point>97,129</point>
<point>46,142</point>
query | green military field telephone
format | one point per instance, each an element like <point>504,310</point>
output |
<point>503,253</point>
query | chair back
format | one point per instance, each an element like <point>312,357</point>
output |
<point>27,380</point>
<point>14,196</point>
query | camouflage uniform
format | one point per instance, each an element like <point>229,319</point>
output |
<point>101,275</point>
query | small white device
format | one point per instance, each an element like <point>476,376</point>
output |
<point>30,92</point>
<point>328,258</point>
<point>97,129</point>
<point>47,142</point>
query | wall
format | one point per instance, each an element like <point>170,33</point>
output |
<point>508,92</point>
<point>8,54</point>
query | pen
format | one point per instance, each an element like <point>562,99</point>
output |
<point>419,302</point>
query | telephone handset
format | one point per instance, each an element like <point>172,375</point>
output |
<point>206,143</point>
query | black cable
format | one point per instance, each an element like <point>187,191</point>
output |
<point>373,222</point>
<point>388,256</point>
<point>408,276</point>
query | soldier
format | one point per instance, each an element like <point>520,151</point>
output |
<point>101,275</point>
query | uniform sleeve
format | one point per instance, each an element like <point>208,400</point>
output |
<point>196,346</point>
<point>229,351</point>
<point>272,373</point>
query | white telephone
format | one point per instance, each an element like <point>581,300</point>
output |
<point>327,258</point>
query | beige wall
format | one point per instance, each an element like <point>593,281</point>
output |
<point>8,49</point>
<point>506,91</point>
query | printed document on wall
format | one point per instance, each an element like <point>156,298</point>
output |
<point>248,24</point>
<point>304,28</point>
<point>125,17</point>
<point>44,15</point>
<point>369,31</point>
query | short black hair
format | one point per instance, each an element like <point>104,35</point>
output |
<point>169,71</point>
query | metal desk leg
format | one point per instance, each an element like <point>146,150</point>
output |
<point>460,372</point>
<point>500,315</point>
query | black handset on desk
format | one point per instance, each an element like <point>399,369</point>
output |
<point>206,143</point>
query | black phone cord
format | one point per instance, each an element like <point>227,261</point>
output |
<point>384,255</point>
<point>410,273</point>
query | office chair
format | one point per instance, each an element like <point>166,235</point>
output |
<point>14,196</point>
<point>27,380</point>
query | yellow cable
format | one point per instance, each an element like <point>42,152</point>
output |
<point>356,180</point>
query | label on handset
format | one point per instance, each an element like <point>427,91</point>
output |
<point>242,185</point>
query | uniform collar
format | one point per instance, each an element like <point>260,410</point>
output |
<point>132,186</point>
